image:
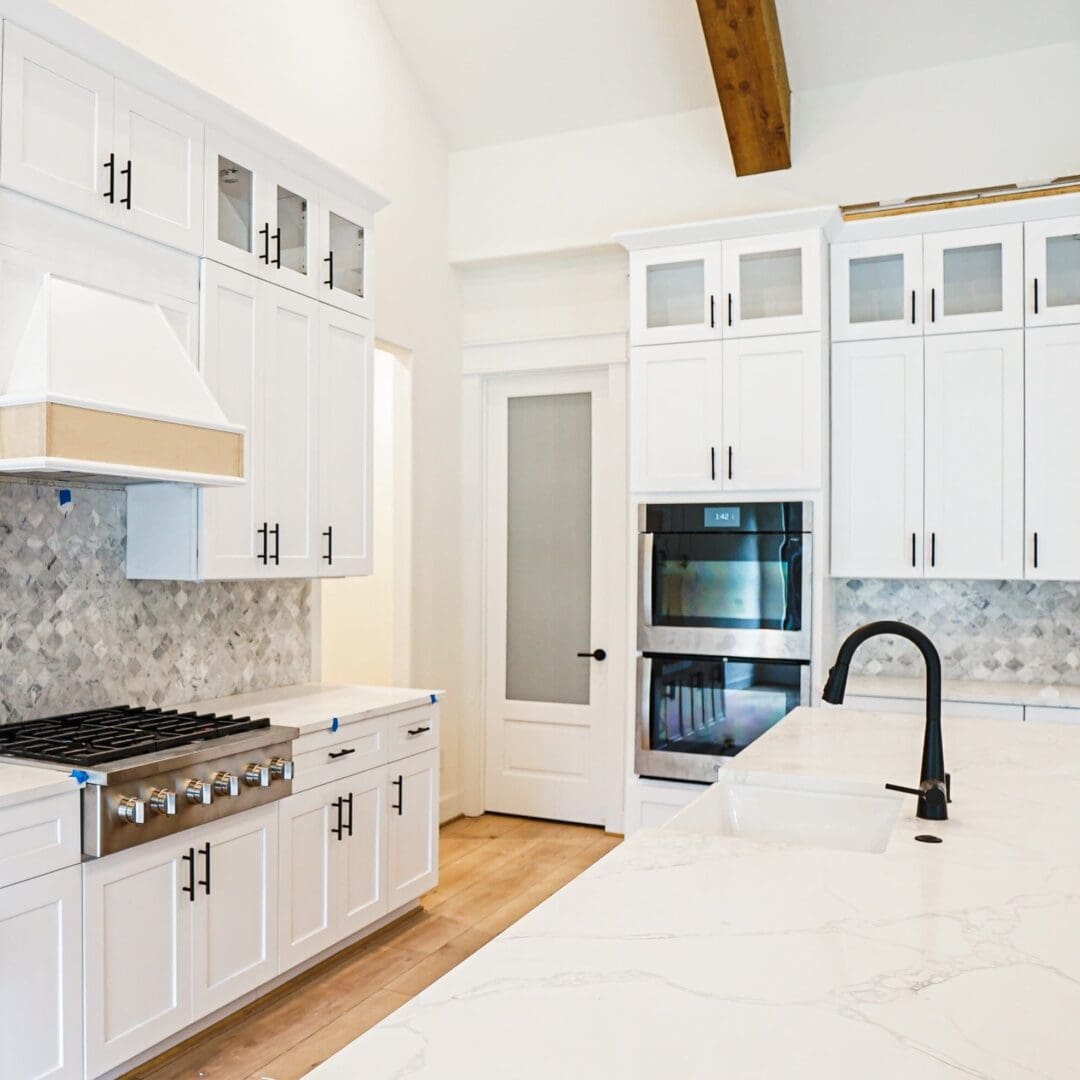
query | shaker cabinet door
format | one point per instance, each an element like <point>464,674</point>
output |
<point>675,295</point>
<point>414,827</point>
<point>1052,260</point>
<point>362,880</point>
<point>876,289</point>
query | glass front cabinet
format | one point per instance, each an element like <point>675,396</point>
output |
<point>674,293</point>
<point>876,289</point>
<point>345,261</point>
<point>1052,258</point>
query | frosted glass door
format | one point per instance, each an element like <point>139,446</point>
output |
<point>1052,251</point>
<point>974,279</point>
<point>875,289</point>
<point>674,294</point>
<point>773,285</point>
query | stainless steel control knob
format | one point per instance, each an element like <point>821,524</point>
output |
<point>162,801</point>
<point>199,792</point>
<point>131,810</point>
<point>225,784</point>
<point>257,775</point>
<point>280,768</point>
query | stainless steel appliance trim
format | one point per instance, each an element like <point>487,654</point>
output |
<point>645,599</point>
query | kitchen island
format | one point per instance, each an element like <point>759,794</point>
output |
<point>691,955</point>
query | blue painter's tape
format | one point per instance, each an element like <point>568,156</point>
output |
<point>64,495</point>
<point>80,775</point>
<point>335,724</point>
<point>432,699</point>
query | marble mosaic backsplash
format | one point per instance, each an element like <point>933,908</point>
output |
<point>75,633</point>
<point>1013,631</point>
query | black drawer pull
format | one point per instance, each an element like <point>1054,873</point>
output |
<point>205,852</point>
<point>343,753</point>
<point>338,829</point>
<point>399,806</point>
<point>419,730</point>
<point>189,888</point>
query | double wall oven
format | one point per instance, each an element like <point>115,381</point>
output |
<point>723,629</point>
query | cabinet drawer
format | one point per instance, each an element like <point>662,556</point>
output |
<point>39,836</point>
<point>414,730</point>
<point>364,747</point>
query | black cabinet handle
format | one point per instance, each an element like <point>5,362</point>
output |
<point>1036,296</point>
<point>342,753</point>
<point>264,531</point>
<point>276,530</point>
<point>712,462</point>
<point>329,260</point>
<point>912,307</point>
<point>126,171</point>
<point>596,654</point>
<point>712,312</point>
<point>205,851</point>
<point>729,309</point>
<point>933,304</point>
<point>264,232</point>
<point>730,463</point>
<point>329,534</point>
<point>912,549</point>
<point>110,194</point>
<point>189,888</point>
<point>933,549</point>
<point>399,783</point>
<point>348,824</point>
<point>1035,552</point>
<point>277,250</point>
<point>427,727</point>
<point>337,829</point>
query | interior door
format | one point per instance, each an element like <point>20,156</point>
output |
<point>975,456</point>
<point>549,532</point>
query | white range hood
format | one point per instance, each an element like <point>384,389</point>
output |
<point>98,384</point>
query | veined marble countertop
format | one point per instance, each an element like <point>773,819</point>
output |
<point>977,690</point>
<point>313,706</point>
<point>694,956</point>
<point>24,783</point>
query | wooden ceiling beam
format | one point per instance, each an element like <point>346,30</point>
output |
<point>747,56</point>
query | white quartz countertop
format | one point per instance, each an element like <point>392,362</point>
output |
<point>314,706</point>
<point>24,783</point>
<point>976,690</point>
<point>702,956</point>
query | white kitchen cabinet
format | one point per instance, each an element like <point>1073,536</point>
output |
<point>773,285</point>
<point>344,520</point>
<point>1052,445</point>
<point>76,136</point>
<point>974,455</point>
<point>974,279</point>
<point>343,275</point>
<point>414,827</point>
<point>41,981</point>
<point>1052,261</point>
<point>876,288</point>
<point>772,389</point>
<point>675,294</point>
<point>877,458</point>
<point>235,934</point>
<point>362,883</point>
<point>675,417</point>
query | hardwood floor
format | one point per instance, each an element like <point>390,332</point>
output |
<point>493,870</point>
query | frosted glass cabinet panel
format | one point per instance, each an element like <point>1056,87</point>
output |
<point>773,285</point>
<point>974,279</point>
<point>675,294</point>
<point>345,267</point>
<point>875,289</point>
<point>1052,257</point>
<point>236,208</point>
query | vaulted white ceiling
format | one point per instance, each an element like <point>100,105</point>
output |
<point>503,70</point>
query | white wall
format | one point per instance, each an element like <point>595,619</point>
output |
<point>1002,119</point>
<point>329,74</point>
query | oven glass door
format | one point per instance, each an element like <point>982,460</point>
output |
<point>716,706</point>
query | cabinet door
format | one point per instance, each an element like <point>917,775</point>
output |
<point>288,385</point>
<point>675,295</point>
<point>875,289</point>
<point>877,458</point>
<point>1052,487</point>
<point>231,542</point>
<point>137,952</point>
<point>975,455</point>
<point>345,443</point>
<point>235,911</point>
<point>237,219</point>
<point>292,203</point>
<point>344,272</point>
<point>308,863</point>
<point>57,118</point>
<point>974,279</point>
<point>772,413</point>
<point>160,152</point>
<point>675,434</point>
<point>773,285</point>
<point>1052,257</point>
<point>414,827</point>
<point>41,988</point>
<point>362,880</point>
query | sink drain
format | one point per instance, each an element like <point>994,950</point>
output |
<point>926,838</point>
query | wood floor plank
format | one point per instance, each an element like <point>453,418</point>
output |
<point>422,975</point>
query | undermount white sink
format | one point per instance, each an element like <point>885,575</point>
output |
<point>775,808</point>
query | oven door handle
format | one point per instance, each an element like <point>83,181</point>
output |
<point>645,563</point>
<point>644,701</point>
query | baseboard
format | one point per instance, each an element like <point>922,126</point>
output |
<point>451,805</point>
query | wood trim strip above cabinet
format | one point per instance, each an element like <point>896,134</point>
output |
<point>867,212</point>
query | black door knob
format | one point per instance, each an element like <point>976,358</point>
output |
<point>596,654</point>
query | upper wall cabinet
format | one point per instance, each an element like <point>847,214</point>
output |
<point>78,137</point>
<point>773,285</point>
<point>1052,258</point>
<point>674,294</point>
<point>876,289</point>
<point>344,230</point>
<point>973,279</point>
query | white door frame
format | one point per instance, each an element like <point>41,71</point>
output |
<point>611,351</point>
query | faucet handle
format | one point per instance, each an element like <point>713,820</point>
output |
<point>948,787</point>
<point>905,790</point>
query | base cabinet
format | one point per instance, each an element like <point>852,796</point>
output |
<point>414,827</point>
<point>41,978</point>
